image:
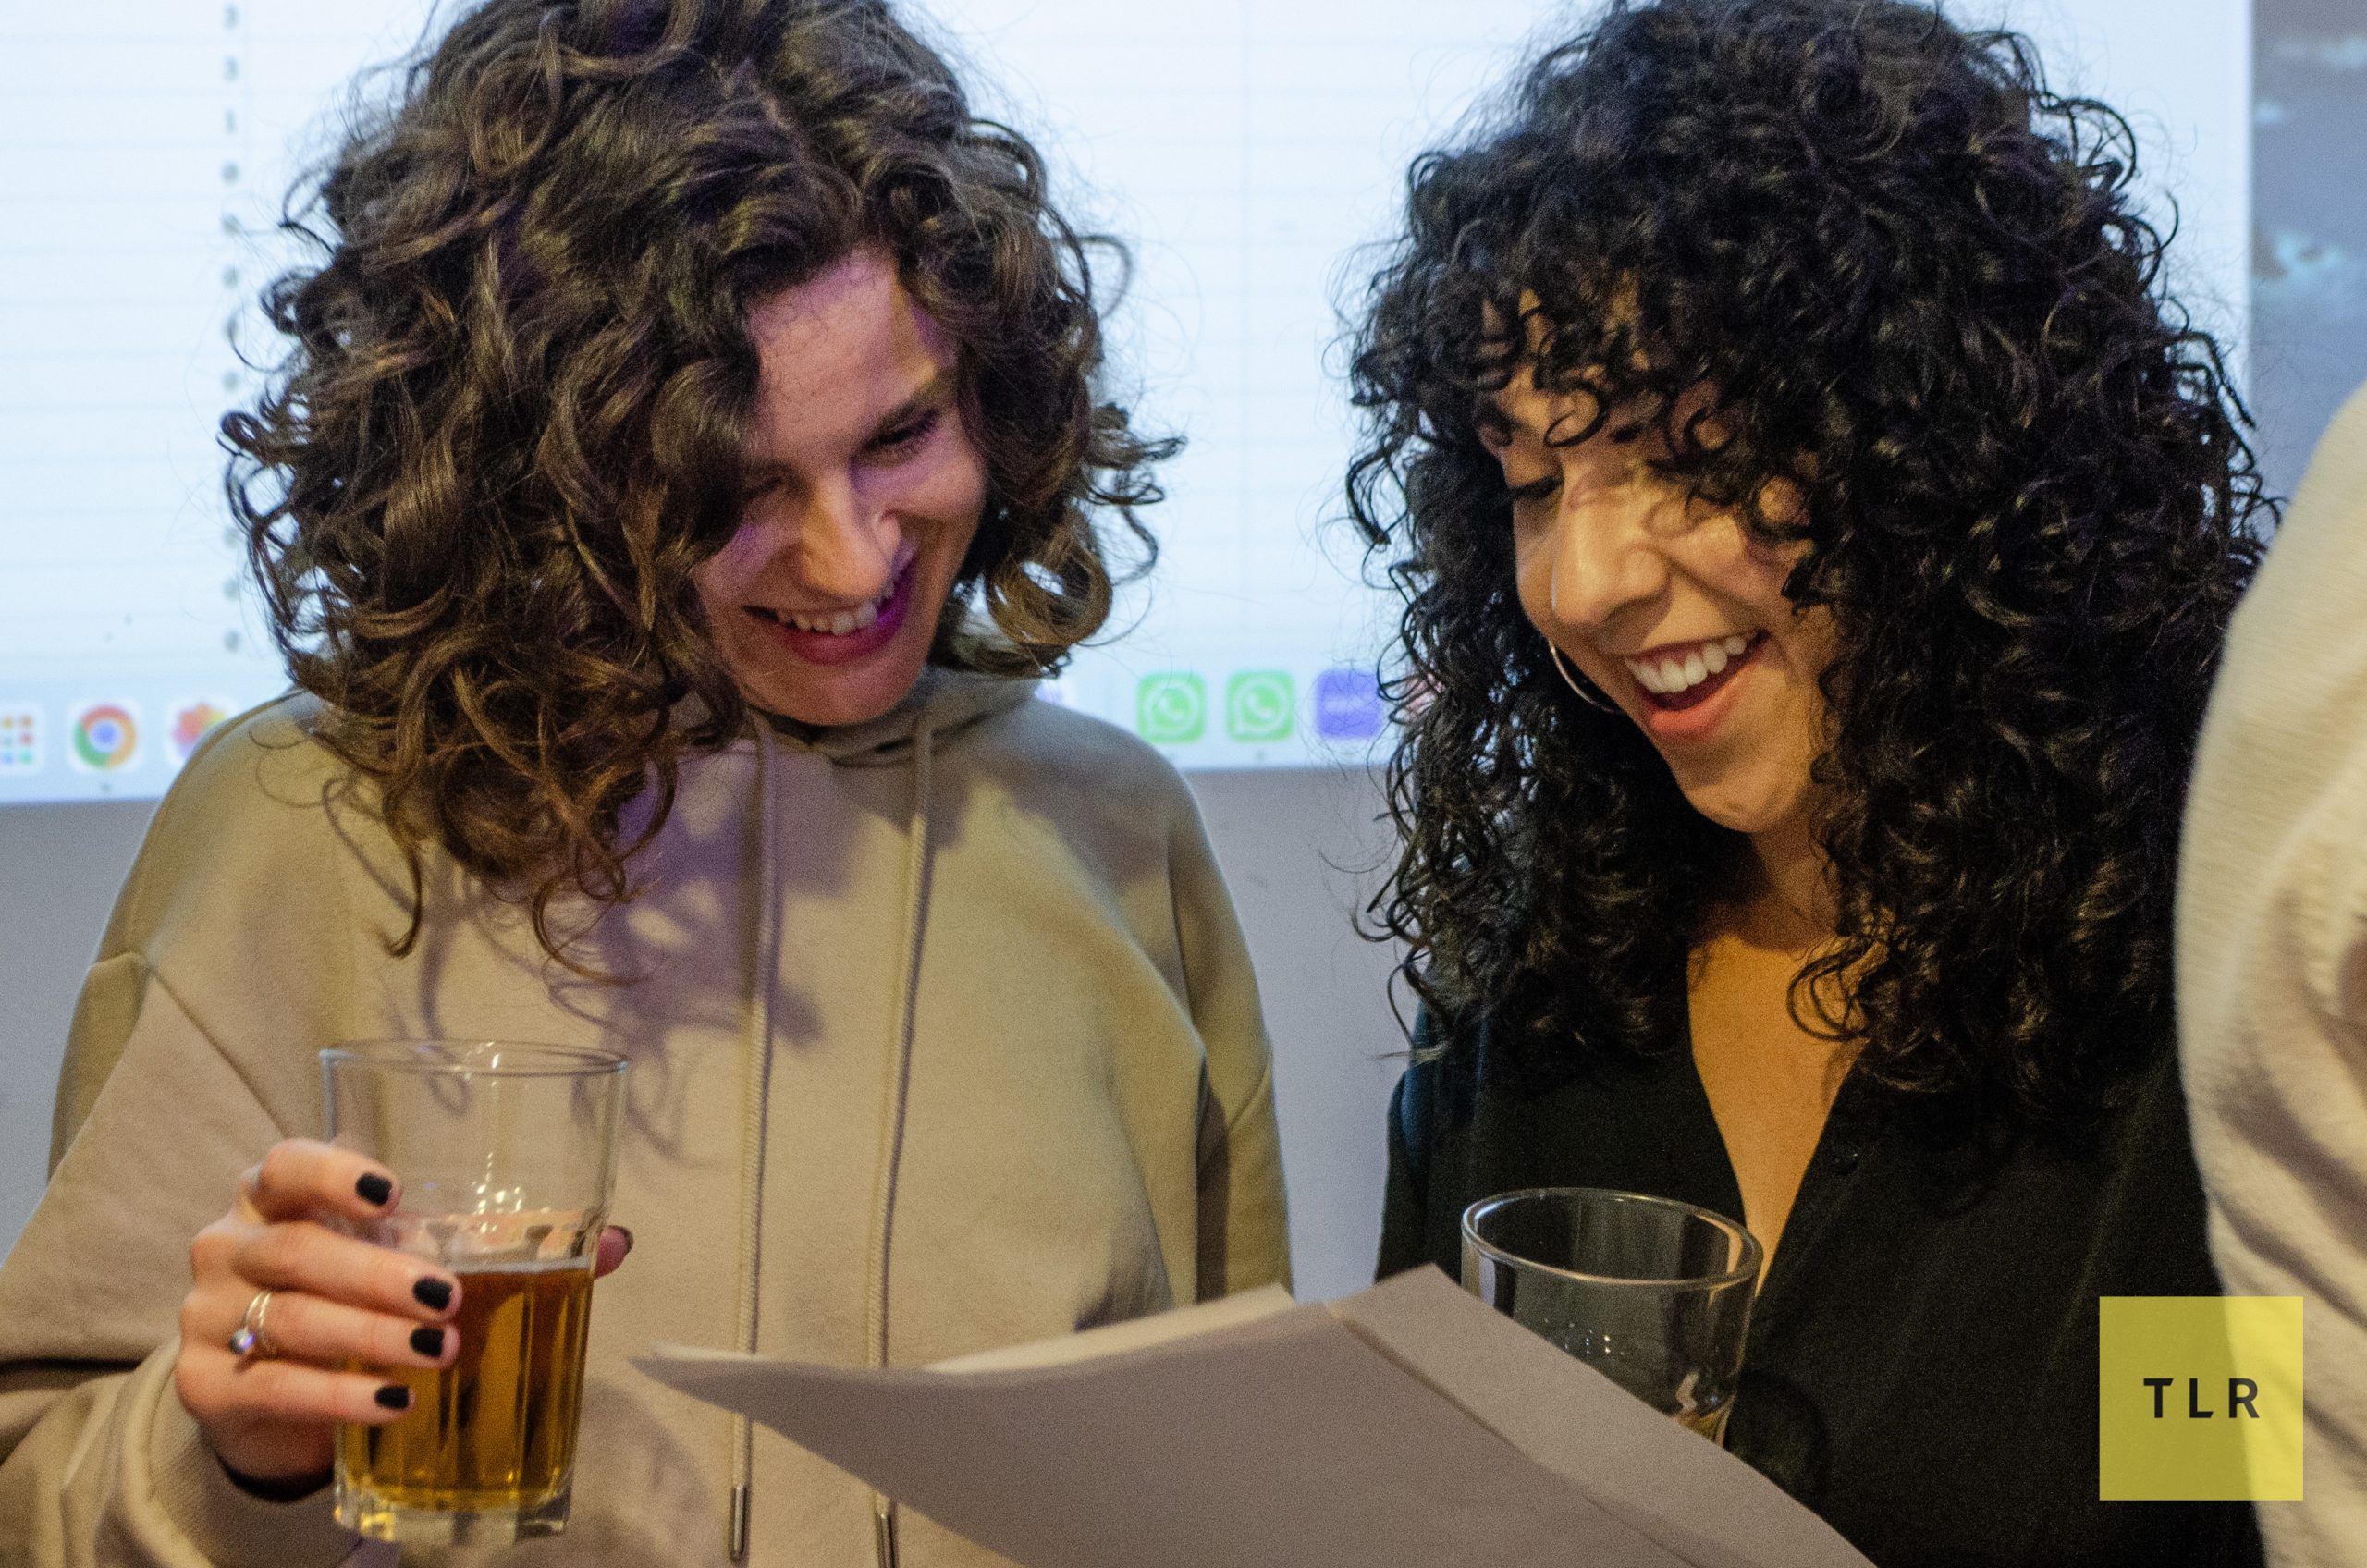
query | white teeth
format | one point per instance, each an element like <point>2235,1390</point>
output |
<point>839,625</point>
<point>1670,675</point>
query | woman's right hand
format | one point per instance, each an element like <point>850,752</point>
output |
<point>336,1301</point>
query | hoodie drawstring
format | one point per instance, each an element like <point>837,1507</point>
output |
<point>755,1109</point>
<point>892,1102</point>
<point>757,1096</point>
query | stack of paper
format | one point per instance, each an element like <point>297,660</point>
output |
<point>1408,1424</point>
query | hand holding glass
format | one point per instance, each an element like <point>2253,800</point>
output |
<point>507,1154</point>
<point>1652,1293</point>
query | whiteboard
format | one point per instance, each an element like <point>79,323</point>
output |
<point>1246,151</point>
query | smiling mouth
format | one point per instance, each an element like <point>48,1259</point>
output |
<point>1685,676</point>
<point>846,623</point>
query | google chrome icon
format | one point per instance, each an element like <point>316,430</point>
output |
<point>105,738</point>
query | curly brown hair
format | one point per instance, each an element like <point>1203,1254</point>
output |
<point>509,422</point>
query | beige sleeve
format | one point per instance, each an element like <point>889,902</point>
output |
<point>99,1464</point>
<point>104,1016</point>
<point>1245,1229</point>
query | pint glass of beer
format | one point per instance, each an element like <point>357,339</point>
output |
<point>506,1153</point>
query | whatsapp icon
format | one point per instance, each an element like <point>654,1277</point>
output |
<point>1260,705</point>
<point>1170,709</point>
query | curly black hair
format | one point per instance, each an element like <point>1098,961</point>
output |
<point>508,426</point>
<point>1914,284</point>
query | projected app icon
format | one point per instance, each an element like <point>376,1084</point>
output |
<point>192,721</point>
<point>1260,705</point>
<point>1347,705</point>
<point>19,738</point>
<point>105,738</point>
<point>1170,709</point>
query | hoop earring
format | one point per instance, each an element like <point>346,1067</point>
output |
<point>1588,693</point>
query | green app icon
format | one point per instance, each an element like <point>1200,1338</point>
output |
<point>1170,709</point>
<point>1260,705</point>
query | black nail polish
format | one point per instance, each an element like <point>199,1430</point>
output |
<point>433,1295</point>
<point>375,1189</point>
<point>394,1396</point>
<point>427,1341</point>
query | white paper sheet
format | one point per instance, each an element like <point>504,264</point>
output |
<point>1405,1427</point>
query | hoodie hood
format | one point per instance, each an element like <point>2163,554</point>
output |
<point>942,700</point>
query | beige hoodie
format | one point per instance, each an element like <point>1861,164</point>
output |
<point>943,1037</point>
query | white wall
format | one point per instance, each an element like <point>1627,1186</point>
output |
<point>1289,842</point>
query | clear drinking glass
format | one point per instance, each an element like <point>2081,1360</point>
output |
<point>507,1152</point>
<point>1652,1293</point>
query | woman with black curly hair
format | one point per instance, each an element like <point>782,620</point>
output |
<point>1818,527</point>
<point>687,453</point>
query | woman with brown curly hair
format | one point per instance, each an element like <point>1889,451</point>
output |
<point>686,456</point>
<point>1819,527</point>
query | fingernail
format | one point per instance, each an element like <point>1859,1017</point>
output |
<point>374,1189</point>
<point>434,1294</point>
<point>394,1396</point>
<point>428,1343</point>
<point>628,1236</point>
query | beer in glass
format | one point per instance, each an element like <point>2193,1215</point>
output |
<point>507,1154</point>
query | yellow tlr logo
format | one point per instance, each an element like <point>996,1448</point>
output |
<point>2200,1397</point>
<point>2243,1394</point>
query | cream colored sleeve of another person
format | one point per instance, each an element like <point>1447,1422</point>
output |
<point>2272,958</point>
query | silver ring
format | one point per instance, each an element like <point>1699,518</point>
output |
<point>248,1340</point>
